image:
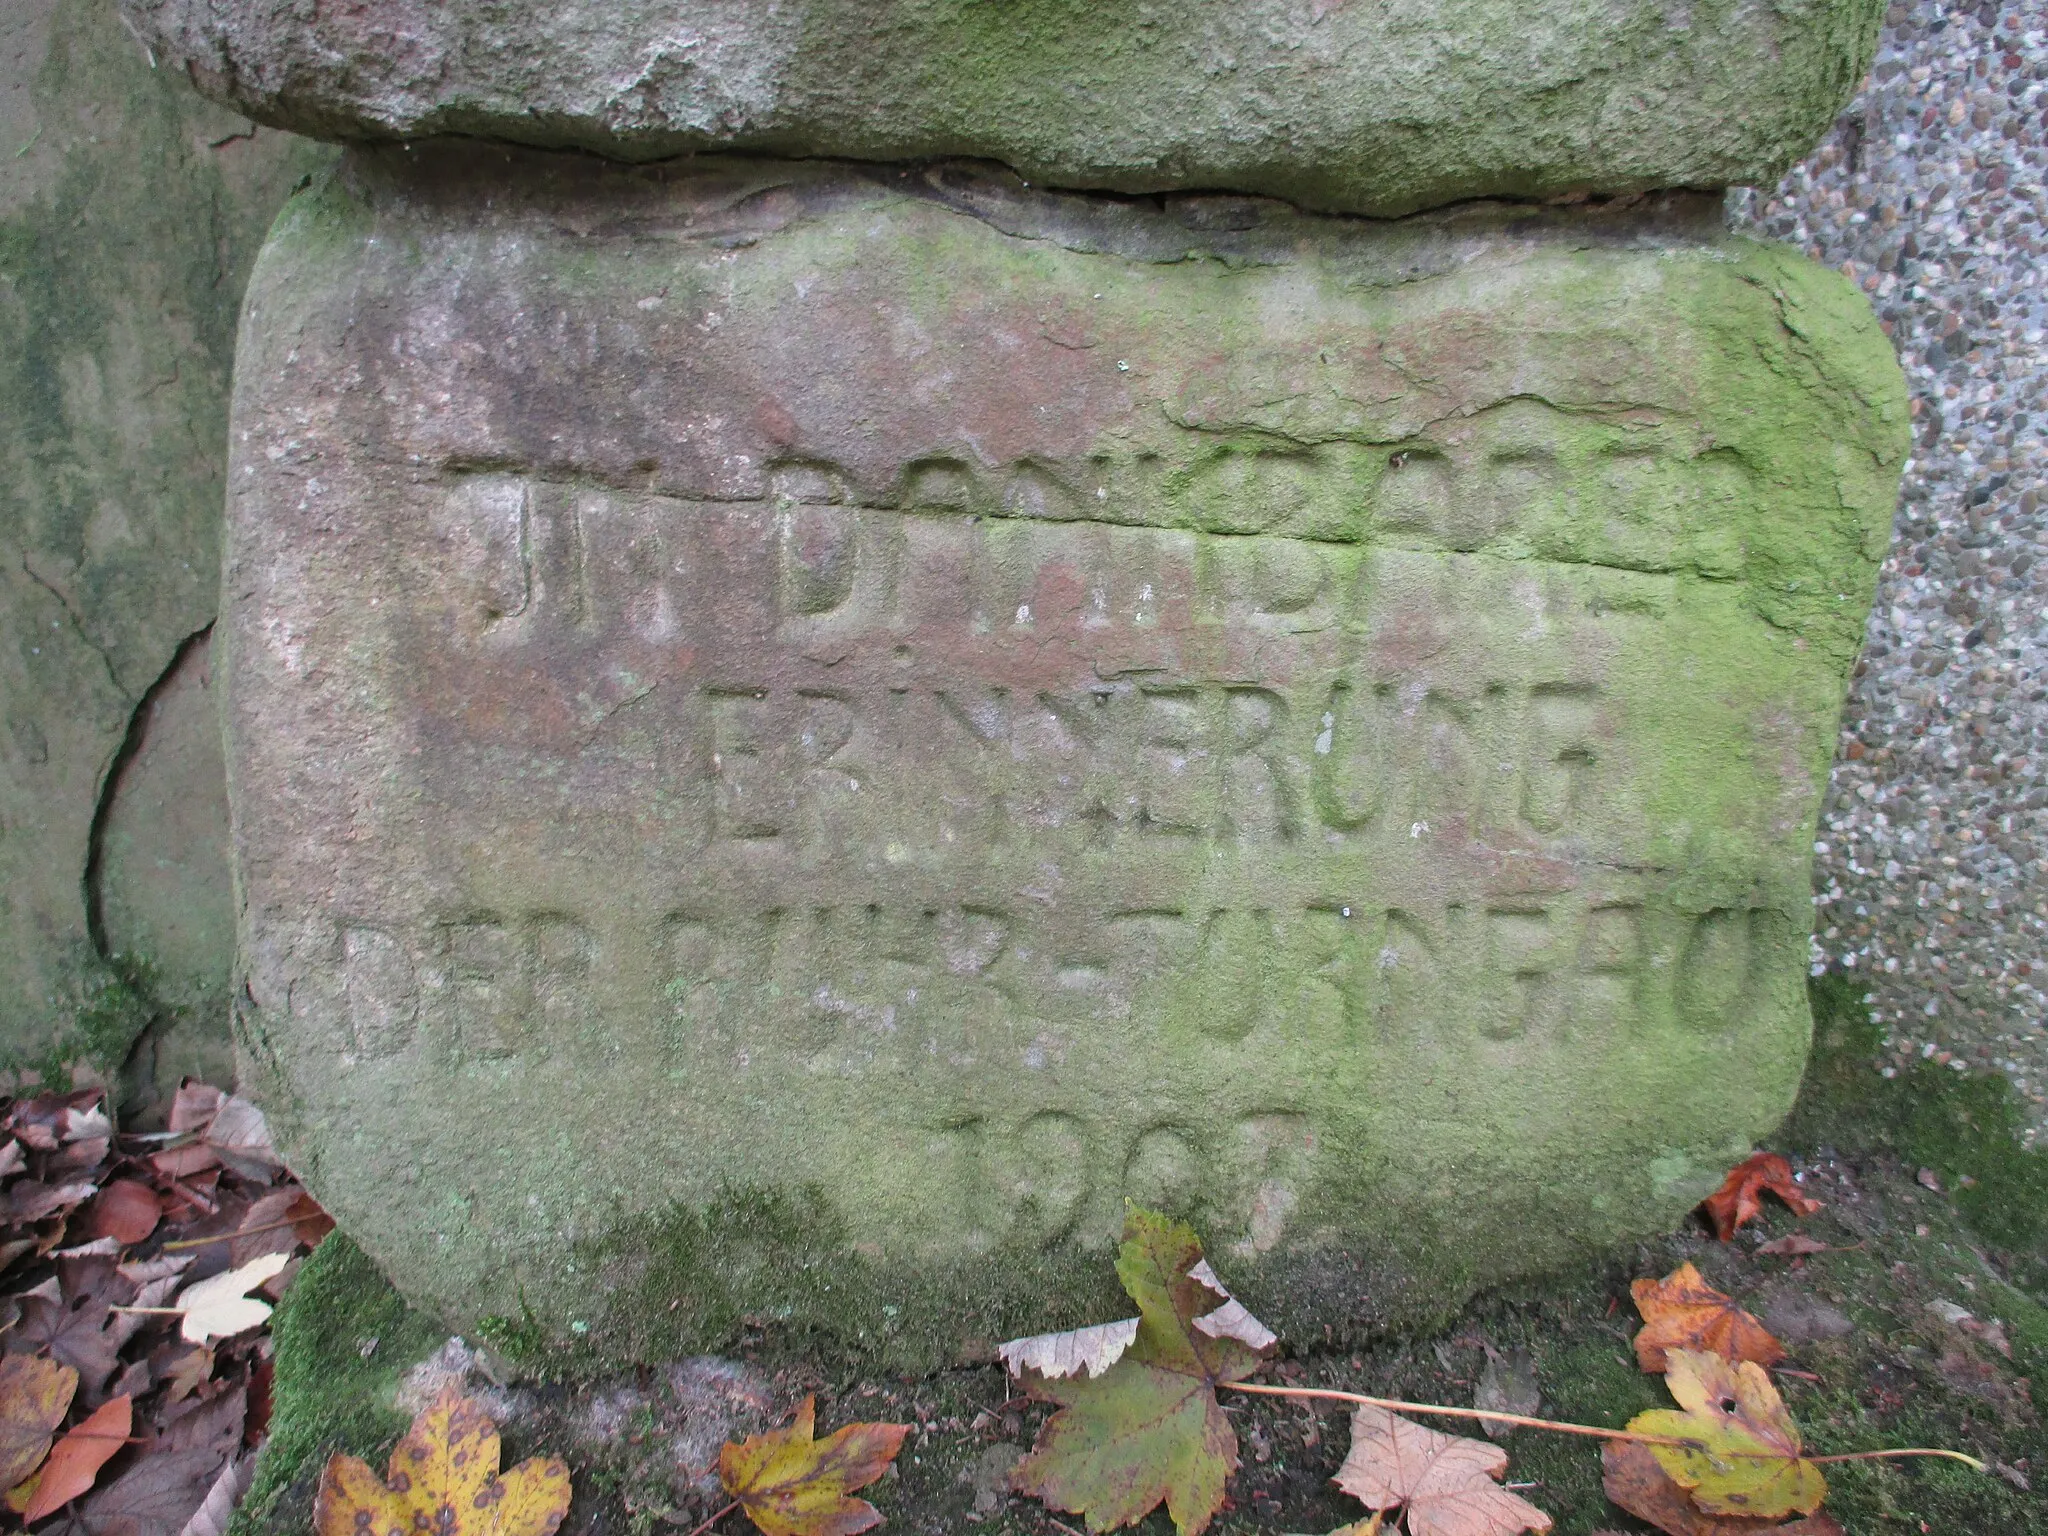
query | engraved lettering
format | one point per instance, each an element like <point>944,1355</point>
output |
<point>1714,971</point>
<point>382,989</point>
<point>1258,788</point>
<point>748,804</point>
<point>1560,755</point>
<point>819,549</point>
<point>483,532</point>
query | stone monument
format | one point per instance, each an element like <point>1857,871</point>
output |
<point>801,730</point>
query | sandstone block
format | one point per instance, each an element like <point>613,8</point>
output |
<point>1368,106</point>
<point>798,736</point>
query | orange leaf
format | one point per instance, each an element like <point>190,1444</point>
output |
<point>79,1456</point>
<point>443,1479</point>
<point>1682,1311</point>
<point>35,1394</point>
<point>1739,1200</point>
<point>792,1485</point>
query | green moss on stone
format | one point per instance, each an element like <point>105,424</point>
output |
<point>344,1337</point>
<point>1960,1126</point>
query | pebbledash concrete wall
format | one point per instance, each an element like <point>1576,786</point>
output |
<point>799,730</point>
<point>1929,194</point>
<point>130,209</point>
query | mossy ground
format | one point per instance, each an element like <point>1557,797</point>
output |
<point>1971,1231</point>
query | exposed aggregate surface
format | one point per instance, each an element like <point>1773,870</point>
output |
<point>1931,880</point>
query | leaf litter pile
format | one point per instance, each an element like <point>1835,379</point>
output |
<point>134,1386</point>
<point>140,1272</point>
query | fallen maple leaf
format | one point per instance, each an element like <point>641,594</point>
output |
<point>443,1479</point>
<point>220,1307</point>
<point>1147,1428</point>
<point>35,1394</point>
<point>1741,1453</point>
<point>1445,1485</point>
<point>790,1484</point>
<point>1682,1311</point>
<point>78,1325</point>
<point>1634,1480</point>
<point>1740,1198</point>
<point>155,1497</point>
<point>76,1460</point>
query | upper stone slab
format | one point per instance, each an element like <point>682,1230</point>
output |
<point>1364,106</point>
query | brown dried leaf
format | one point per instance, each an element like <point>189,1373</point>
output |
<point>308,1220</point>
<point>1682,1311</point>
<point>1448,1485</point>
<point>218,1508</point>
<point>53,1120</point>
<point>30,1200</point>
<point>186,1373</point>
<point>127,1210</point>
<point>154,1497</point>
<point>78,1328</point>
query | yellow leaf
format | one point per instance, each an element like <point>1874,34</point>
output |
<point>1742,1452</point>
<point>35,1394</point>
<point>792,1485</point>
<point>443,1480</point>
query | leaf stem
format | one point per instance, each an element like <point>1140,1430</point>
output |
<point>1398,1406</point>
<point>225,1237</point>
<point>1968,1461</point>
<point>700,1530</point>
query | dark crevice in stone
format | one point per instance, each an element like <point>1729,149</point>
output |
<point>110,785</point>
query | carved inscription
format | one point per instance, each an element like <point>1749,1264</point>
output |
<point>980,985</point>
<point>1125,831</point>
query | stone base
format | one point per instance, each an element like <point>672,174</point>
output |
<point>798,736</point>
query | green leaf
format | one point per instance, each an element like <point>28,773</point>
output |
<point>1148,1429</point>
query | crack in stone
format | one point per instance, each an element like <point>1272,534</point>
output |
<point>78,628</point>
<point>110,784</point>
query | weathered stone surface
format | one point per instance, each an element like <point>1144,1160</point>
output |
<point>1372,106</point>
<point>129,212</point>
<point>160,872</point>
<point>826,729</point>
